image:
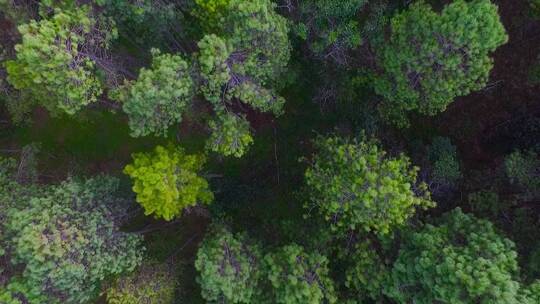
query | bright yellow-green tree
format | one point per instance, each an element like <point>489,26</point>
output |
<point>167,180</point>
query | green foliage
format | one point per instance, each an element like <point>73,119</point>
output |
<point>535,7</point>
<point>12,193</point>
<point>211,13</point>
<point>50,64</point>
<point>331,26</point>
<point>368,273</point>
<point>297,276</point>
<point>356,186</point>
<point>159,96</point>
<point>152,283</point>
<point>66,241</point>
<point>530,294</point>
<point>430,58</point>
<point>443,156</point>
<point>212,58</point>
<point>245,57</point>
<point>167,180</point>
<point>486,203</point>
<point>462,260</point>
<point>533,263</point>
<point>19,291</point>
<point>230,135</point>
<point>228,266</point>
<point>142,22</point>
<point>523,169</point>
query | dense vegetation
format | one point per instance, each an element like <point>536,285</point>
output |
<point>269,151</point>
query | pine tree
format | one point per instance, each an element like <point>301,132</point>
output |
<point>431,58</point>
<point>64,241</point>
<point>355,185</point>
<point>167,180</point>
<point>228,266</point>
<point>159,96</point>
<point>461,260</point>
<point>51,63</point>
<point>297,276</point>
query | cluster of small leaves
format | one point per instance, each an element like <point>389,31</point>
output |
<point>331,26</point>
<point>530,294</point>
<point>368,274</point>
<point>297,276</point>
<point>230,135</point>
<point>12,193</point>
<point>486,203</point>
<point>356,186</point>
<point>248,52</point>
<point>167,180</point>
<point>49,64</point>
<point>211,13</point>
<point>66,241</point>
<point>229,267</point>
<point>462,260</point>
<point>152,283</point>
<point>443,157</point>
<point>430,58</point>
<point>523,169</point>
<point>159,96</point>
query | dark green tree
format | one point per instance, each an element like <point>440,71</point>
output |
<point>229,267</point>
<point>355,185</point>
<point>159,96</point>
<point>523,170</point>
<point>461,260</point>
<point>230,135</point>
<point>368,273</point>
<point>64,241</point>
<point>331,27</point>
<point>54,62</point>
<point>245,56</point>
<point>430,58</point>
<point>297,276</point>
<point>445,168</point>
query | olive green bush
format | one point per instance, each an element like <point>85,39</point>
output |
<point>151,283</point>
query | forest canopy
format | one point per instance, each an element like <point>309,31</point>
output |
<point>269,151</point>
